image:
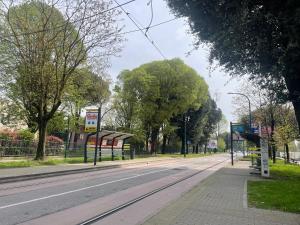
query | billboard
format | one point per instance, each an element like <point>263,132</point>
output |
<point>91,119</point>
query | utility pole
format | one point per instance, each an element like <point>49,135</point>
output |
<point>231,143</point>
<point>184,135</point>
<point>97,134</point>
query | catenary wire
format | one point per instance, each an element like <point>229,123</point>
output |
<point>140,29</point>
<point>152,15</point>
<point>63,25</point>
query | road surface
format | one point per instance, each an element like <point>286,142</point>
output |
<point>74,199</point>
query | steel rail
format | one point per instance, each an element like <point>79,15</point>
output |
<point>131,202</point>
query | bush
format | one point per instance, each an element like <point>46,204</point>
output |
<point>25,135</point>
<point>8,135</point>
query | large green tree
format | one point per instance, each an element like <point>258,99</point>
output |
<point>157,91</point>
<point>47,44</point>
<point>201,124</point>
<point>257,38</point>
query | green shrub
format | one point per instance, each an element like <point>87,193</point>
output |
<point>25,135</point>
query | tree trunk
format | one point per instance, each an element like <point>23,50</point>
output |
<point>182,145</point>
<point>193,148</point>
<point>163,149</point>
<point>287,153</point>
<point>296,105</point>
<point>147,144</point>
<point>274,153</point>
<point>154,135</point>
<point>40,151</point>
<point>147,140</point>
<point>205,148</point>
<point>197,148</point>
<point>269,150</point>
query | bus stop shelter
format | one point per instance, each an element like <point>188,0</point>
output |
<point>109,135</point>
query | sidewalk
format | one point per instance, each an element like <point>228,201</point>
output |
<point>37,170</point>
<point>220,200</point>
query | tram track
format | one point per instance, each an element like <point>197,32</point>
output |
<point>116,209</point>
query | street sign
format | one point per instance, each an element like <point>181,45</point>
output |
<point>264,158</point>
<point>238,128</point>
<point>91,119</point>
<point>255,130</point>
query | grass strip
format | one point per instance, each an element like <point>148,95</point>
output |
<point>281,192</point>
<point>77,160</point>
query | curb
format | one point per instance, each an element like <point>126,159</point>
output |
<point>26,177</point>
<point>53,174</point>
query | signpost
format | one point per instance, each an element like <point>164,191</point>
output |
<point>235,130</point>
<point>265,172</point>
<point>231,141</point>
<point>238,128</point>
<point>91,121</point>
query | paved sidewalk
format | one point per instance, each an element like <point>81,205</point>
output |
<point>12,172</point>
<point>220,200</point>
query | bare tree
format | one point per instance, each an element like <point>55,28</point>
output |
<point>47,41</point>
<point>265,110</point>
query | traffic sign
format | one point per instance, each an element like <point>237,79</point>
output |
<point>239,128</point>
<point>255,130</point>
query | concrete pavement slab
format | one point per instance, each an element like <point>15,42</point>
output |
<point>219,200</point>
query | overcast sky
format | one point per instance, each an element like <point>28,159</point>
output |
<point>173,40</point>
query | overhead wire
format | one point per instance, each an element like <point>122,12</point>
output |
<point>155,25</point>
<point>64,24</point>
<point>144,28</point>
<point>152,15</point>
<point>141,30</point>
<point>134,21</point>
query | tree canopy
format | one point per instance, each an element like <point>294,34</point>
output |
<point>257,38</point>
<point>151,96</point>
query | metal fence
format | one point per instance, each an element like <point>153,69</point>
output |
<point>26,148</point>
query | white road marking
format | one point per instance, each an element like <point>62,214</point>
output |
<point>80,189</point>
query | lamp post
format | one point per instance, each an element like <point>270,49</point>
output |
<point>250,118</point>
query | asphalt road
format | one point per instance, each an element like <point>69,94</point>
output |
<point>79,196</point>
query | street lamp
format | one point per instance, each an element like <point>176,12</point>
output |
<point>250,119</point>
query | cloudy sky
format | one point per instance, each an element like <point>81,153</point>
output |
<point>173,40</point>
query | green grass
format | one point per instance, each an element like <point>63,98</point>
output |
<point>47,162</point>
<point>76,160</point>
<point>281,192</point>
